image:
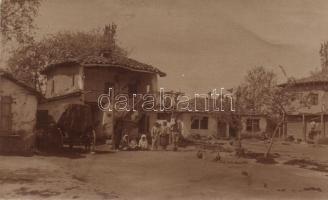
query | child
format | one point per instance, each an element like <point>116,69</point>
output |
<point>133,146</point>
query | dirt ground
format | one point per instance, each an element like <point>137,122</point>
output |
<point>301,172</point>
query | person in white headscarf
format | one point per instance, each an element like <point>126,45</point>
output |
<point>143,143</point>
<point>125,143</point>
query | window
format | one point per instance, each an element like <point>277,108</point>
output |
<point>5,113</point>
<point>252,125</point>
<point>199,123</point>
<point>204,123</point>
<point>297,96</point>
<point>313,99</point>
<point>194,123</point>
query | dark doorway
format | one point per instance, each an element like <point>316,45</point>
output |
<point>232,132</point>
<point>222,129</point>
<point>42,119</point>
<point>144,125</point>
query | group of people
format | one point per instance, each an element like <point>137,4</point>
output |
<point>161,135</point>
<point>132,145</point>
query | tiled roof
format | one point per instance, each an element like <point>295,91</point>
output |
<point>126,63</point>
<point>320,77</point>
<point>9,76</point>
<point>314,78</point>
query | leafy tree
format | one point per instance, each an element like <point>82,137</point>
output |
<point>27,61</point>
<point>17,20</point>
<point>260,94</point>
<point>256,90</point>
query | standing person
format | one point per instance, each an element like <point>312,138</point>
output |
<point>181,128</point>
<point>155,132</point>
<point>54,137</point>
<point>93,139</point>
<point>170,135</point>
<point>86,140</point>
<point>89,139</point>
<point>175,134</point>
<point>118,131</point>
<point>164,137</point>
<point>312,133</point>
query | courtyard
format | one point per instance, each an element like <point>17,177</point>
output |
<point>167,174</point>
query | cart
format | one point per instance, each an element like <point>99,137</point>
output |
<point>74,123</point>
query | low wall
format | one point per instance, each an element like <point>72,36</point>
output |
<point>16,144</point>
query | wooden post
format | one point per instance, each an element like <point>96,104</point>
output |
<point>322,121</point>
<point>227,130</point>
<point>304,127</point>
<point>283,125</point>
<point>252,132</point>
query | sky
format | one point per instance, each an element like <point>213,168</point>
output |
<point>203,44</point>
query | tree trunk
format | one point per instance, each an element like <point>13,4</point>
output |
<point>271,142</point>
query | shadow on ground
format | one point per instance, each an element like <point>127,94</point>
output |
<point>66,152</point>
<point>72,153</point>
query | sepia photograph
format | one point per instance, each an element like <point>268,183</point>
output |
<point>164,99</point>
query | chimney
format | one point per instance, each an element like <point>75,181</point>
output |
<point>324,57</point>
<point>109,41</point>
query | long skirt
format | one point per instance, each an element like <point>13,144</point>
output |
<point>164,140</point>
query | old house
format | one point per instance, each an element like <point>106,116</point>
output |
<point>18,107</point>
<point>253,124</point>
<point>204,120</point>
<point>82,81</point>
<point>309,105</point>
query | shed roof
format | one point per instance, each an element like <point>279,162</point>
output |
<point>10,77</point>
